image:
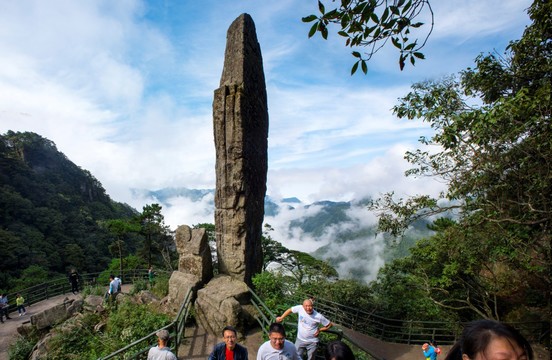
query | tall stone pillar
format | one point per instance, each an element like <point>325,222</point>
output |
<point>240,121</point>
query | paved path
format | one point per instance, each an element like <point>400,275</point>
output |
<point>8,330</point>
<point>198,344</point>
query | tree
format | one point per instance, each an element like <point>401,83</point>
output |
<point>298,265</point>
<point>493,136</point>
<point>372,24</point>
<point>273,251</point>
<point>119,228</point>
<point>152,226</point>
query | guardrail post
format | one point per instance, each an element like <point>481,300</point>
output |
<point>409,331</point>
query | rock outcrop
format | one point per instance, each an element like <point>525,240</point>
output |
<point>224,302</point>
<point>240,121</point>
<point>56,314</point>
<point>179,283</point>
<point>194,252</point>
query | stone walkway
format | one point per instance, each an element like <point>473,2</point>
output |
<point>8,330</point>
<point>198,344</point>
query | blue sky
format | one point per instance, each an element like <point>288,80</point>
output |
<point>125,88</point>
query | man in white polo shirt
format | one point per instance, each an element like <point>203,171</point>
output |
<point>307,327</point>
<point>277,348</point>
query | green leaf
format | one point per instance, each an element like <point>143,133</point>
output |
<point>309,18</point>
<point>417,25</point>
<point>343,33</point>
<point>324,32</point>
<point>412,60</point>
<point>334,14</point>
<point>356,54</point>
<point>385,15</point>
<point>394,10</point>
<point>401,62</point>
<point>419,55</point>
<point>406,7</point>
<point>364,67</point>
<point>395,42</point>
<point>344,20</point>
<point>355,67</point>
<point>374,18</point>
<point>321,7</point>
<point>313,30</point>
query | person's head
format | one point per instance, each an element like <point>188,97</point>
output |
<point>338,350</point>
<point>18,295</point>
<point>308,306</point>
<point>111,277</point>
<point>490,340</point>
<point>277,335</point>
<point>230,337</point>
<point>163,337</point>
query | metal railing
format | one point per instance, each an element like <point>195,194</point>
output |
<point>62,285</point>
<point>409,332</point>
<point>140,348</point>
<point>266,317</point>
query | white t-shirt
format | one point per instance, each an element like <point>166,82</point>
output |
<point>308,323</point>
<point>267,352</point>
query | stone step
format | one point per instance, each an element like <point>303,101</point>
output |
<point>198,344</point>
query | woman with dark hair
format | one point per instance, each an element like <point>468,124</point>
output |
<point>490,340</point>
<point>338,350</point>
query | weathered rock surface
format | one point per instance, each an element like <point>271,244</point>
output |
<point>240,121</point>
<point>179,283</point>
<point>194,252</point>
<point>147,297</point>
<point>41,349</point>
<point>223,302</point>
<point>56,314</point>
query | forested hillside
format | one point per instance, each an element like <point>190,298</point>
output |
<point>52,212</point>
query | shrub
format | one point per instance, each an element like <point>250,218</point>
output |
<point>139,285</point>
<point>93,290</point>
<point>21,348</point>
<point>161,286</point>
<point>134,321</point>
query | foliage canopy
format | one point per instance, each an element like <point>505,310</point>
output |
<point>371,24</point>
<point>493,148</point>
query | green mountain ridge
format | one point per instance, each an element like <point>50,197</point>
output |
<point>51,211</point>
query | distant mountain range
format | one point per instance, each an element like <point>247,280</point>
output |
<point>342,233</point>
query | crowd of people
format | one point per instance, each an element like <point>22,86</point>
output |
<point>480,340</point>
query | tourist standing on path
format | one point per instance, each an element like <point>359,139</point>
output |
<point>161,351</point>
<point>151,276</point>
<point>113,290</point>
<point>20,301</point>
<point>119,284</point>
<point>229,349</point>
<point>4,308</point>
<point>307,327</point>
<point>74,280</point>
<point>429,351</point>
<point>277,347</point>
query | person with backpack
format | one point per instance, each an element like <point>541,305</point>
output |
<point>430,351</point>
